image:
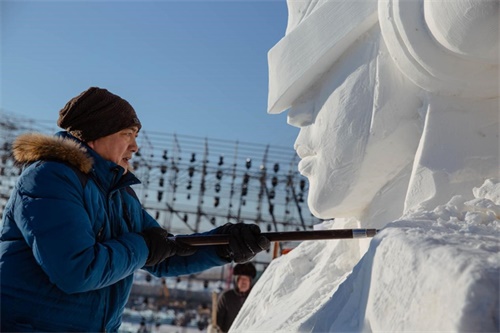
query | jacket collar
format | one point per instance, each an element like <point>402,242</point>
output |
<point>32,147</point>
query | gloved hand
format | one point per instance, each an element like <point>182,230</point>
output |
<point>245,241</point>
<point>161,247</point>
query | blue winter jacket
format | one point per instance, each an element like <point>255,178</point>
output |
<point>69,245</point>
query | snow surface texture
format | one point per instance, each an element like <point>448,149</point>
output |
<point>429,271</point>
<point>397,104</point>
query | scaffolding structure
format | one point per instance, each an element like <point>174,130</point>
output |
<point>193,184</point>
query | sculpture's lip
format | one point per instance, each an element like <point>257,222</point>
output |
<point>306,165</point>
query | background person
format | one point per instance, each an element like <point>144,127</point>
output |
<point>231,301</point>
<point>74,232</point>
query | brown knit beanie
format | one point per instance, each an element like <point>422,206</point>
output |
<point>96,113</point>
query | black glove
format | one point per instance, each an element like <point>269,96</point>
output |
<point>161,247</point>
<point>245,241</point>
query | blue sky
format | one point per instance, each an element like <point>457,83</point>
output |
<point>187,67</point>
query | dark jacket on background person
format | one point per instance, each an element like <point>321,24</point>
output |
<point>69,191</point>
<point>231,301</point>
<point>228,307</point>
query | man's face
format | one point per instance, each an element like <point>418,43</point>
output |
<point>243,282</point>
<point>118,147</point>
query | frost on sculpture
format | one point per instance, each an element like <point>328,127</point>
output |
<point>397,104</point>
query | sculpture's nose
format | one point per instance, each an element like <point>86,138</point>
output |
<point>303,113</point>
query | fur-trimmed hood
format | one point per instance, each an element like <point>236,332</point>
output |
<point>32,147</point>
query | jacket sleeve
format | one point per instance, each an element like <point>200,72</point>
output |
<point>53,220</point>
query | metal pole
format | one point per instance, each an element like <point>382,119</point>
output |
<point>284,236</point>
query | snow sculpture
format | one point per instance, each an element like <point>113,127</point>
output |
<point>381,92</point>
<point>398,109</point>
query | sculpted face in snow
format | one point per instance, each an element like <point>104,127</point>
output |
<point>356,138</point>
<point>379,91</point>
